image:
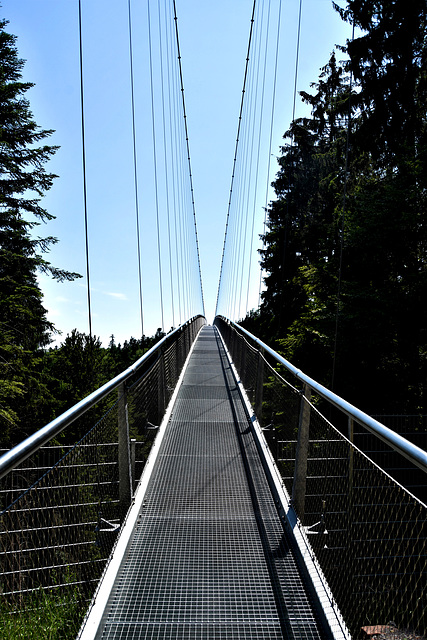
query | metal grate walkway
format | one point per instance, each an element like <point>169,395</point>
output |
<point>209,557</point>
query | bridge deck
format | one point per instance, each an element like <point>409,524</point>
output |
<point>208,557</point>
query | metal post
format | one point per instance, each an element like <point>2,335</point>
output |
<point>350,479</point>
<point>161,386</point>
<point>259,385</point>
<point>239,353</point>
<point>350,454</point>
<point>186,339</point>
<point>125,474</point>
<point>133,459</point>
<point>300,474</point>
<point>243,362</point>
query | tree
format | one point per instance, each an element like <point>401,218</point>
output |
<point>372,241</point>
<point>385,254</point>
<point>24,328</point>
<point>302,241</point>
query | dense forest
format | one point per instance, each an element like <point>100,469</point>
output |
<point>36,382</point>
<point>345,246</point>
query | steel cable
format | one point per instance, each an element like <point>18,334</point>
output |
<point>176,190</point>
<point>188,154</point>
<point>344,201</point>
<point>271,135</point>
<point>258,153</point>
<point>155,164</point>
<point>242,102</point>
<point>135,172</point>
<point>251,127</point>
<point>166,164</point>
<point>84,167</point>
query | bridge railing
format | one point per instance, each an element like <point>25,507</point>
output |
<point>367,531</point>
<point>65,491</point>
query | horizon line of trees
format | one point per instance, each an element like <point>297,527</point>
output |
<point>345,249</point>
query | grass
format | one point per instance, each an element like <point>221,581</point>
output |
<point>42,616</point>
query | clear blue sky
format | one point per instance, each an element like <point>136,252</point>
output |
<point>213,39</point>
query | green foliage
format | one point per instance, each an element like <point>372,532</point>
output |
<point>345,247</point>
<point>24,328</point>
<point>46,615</point>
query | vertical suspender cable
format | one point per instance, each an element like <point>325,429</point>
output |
<point>166,163</point>
<point>155,165</point>
<point>258,154</point>
<point>297,59</point>
<point>285,239</point>
<point>271,136</point>
<point>235,156</point>
<point>84,168</point>
<point>135,172</point>
<point>250,124</point>
<point>188,156</point>
<point>248,154</point>
<point>344,199</point>
<point>181,204</point>
<point>174,159</point>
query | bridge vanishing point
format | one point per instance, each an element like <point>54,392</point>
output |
<point>225,535</point>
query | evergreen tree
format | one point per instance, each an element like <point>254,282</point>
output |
<point>24,328</point>
<point>302,242</point>
<point>385,266</point>
<point>381,339</point>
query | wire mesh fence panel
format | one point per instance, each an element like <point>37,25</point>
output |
<point>281,408</point>
<point>62,509</point>
<point>58,528</point>
<point>366,530</point>
<point>413,428</point>
<point>368,533</point>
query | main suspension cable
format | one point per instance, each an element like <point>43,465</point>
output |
<point>235,153</point>
<point>188,155</point>
<point>173,126</point>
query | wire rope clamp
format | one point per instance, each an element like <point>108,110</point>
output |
<point>106,533</point>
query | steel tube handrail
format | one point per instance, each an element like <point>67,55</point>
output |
<point>410,451</point>
<point>30,445</point>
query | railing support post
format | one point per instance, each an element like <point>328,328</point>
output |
<point>133,460</point>
<point>259,385</point>
<point>350,476</point>
<point>350,454</point>
<point>300,474</point>
<point>161,387</point>
<point>125,472</point>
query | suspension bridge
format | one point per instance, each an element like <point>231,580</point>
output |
<point>184,509</point>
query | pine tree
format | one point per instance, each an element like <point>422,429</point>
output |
<point>24,328</point>
<point>302,241</point>
<point>385,255</point>
<point>380,359</point>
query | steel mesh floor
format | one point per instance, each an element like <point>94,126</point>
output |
<point>209,557</point>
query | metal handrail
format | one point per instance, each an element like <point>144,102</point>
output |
<point>30,445</point>
<point>414,454</point>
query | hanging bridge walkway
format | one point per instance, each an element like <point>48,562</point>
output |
<point>208,557</point>
<point>181,511</point>
<point>211,490</point>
